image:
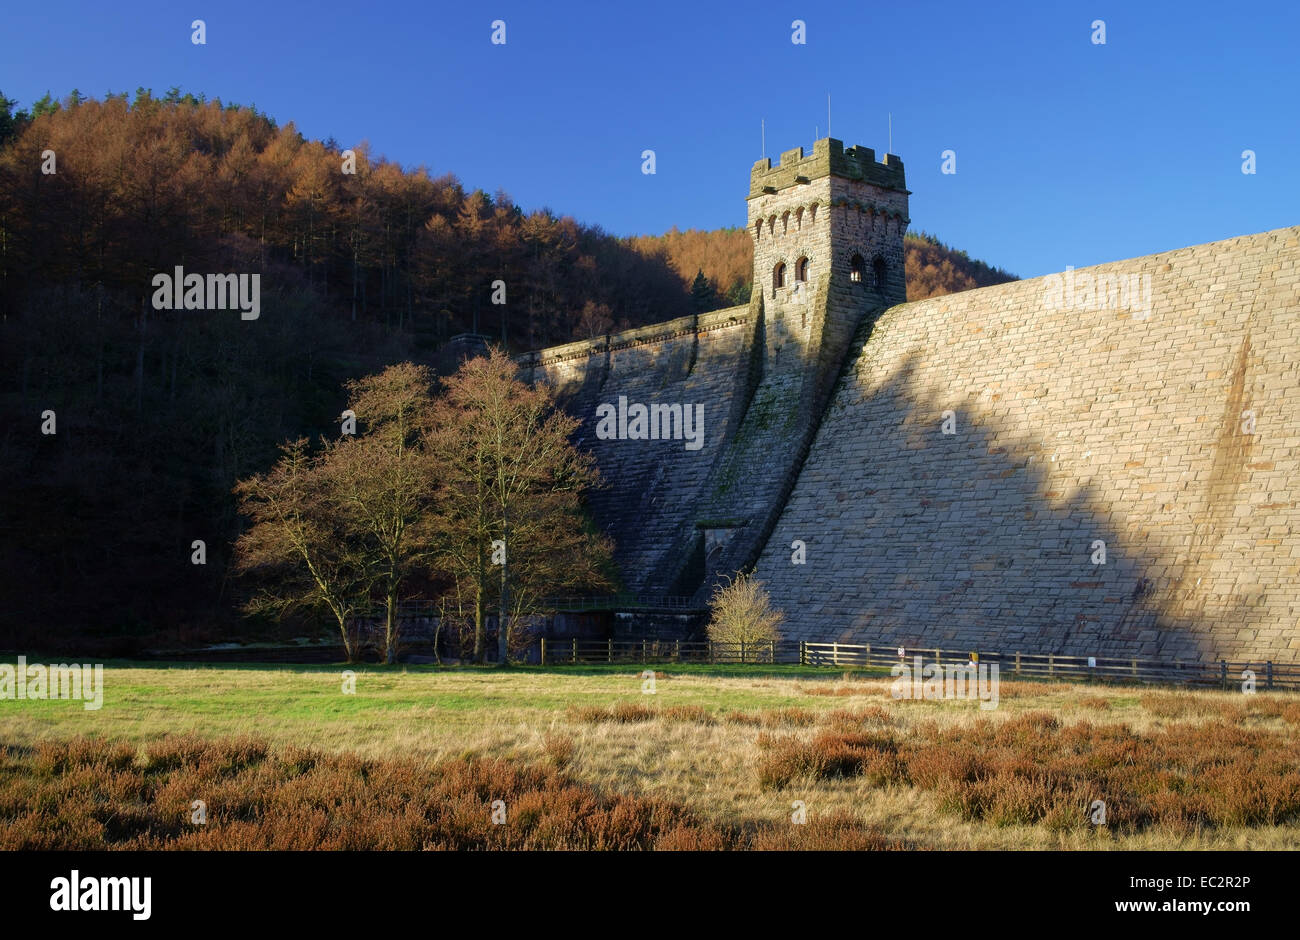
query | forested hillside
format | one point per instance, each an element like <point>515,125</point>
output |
<point>725,259</point>
<point>156,413</point>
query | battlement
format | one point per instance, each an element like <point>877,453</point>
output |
<point>829,158</point>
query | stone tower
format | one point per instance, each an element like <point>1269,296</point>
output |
<point>828,247</point>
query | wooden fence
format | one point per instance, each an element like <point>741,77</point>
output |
<point>1221,674</point>
<point>559,652</point>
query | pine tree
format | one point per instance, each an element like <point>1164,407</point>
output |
<point>702,295</point>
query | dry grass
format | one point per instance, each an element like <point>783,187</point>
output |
<point>773,718</point>
<point>1032,769</point>
<point>91,795</point>
<point>695,745</point>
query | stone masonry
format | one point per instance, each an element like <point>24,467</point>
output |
<point>1143,408</point>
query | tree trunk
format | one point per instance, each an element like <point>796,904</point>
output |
<point>480,628</point>
<point>390,627</point>
<point>348,653</point>
<point>503,629</point>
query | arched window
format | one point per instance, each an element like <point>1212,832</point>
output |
<point>801,269</point>
<point>798,218</point>
<point>879,268</point>
<point>857,267</point>
<point>785,222</point>
<point>758,230</point>
<point>778,277</point>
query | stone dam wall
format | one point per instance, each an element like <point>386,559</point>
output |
<point>1164,425</point>
<point>655,488</point>
<point>1168,431</point>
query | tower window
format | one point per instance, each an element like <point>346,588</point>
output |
<point>857,267</point>
<point>778,277</point>
<point>801,269</point>
<point>880,270</point>
<point>758,230</point>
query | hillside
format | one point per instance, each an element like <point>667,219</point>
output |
<point>158,412</point>
<point>725,257</point>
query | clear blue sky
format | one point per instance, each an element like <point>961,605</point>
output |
<point>1067,152</point>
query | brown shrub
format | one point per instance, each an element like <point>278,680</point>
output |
<point>836,690</point>
<point>1030,769</point>
<point>837,832</point>
<point>772,718</point>
<point>86,794</point>
<point>833,753</point>
<point>622,712</point>
<point>628,712</point>
<point>1164,705</point>
<point>870,715</point>
<point>696,714</point>
<point>559,750</point>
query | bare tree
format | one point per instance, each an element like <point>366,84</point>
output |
<point>510,484</point>
<point>384,483</point>
<point>299,539</point>
<point>742,613</point>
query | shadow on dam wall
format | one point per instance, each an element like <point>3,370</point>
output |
<point>969,540</point>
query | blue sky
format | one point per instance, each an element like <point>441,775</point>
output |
<point>1068,153</point>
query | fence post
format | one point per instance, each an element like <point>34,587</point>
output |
<point>868,661</point>
<point>938,657</point>
<point>609,651</point>
<point>1051,663</point>
<point>803,653</point>
<point>642,651</point>
<point>677,652</point>
<point>1223,673</point>
<point>710,652</point>
<point>543,651</point>
<point>772,652</point>
<point>1135,667</point>
<point>575,650</point>
<point>1270,673</point>
<point>1017,662</point>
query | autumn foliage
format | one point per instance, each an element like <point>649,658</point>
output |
<point>89,794</point>
<point>473,490</point>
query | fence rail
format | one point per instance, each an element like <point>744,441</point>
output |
<point>1222,674</point>
<point>559,652</point>
<point>416,609</point>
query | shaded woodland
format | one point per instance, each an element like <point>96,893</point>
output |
<point>158,413</point>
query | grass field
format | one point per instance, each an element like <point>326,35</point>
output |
<point>730,747</point>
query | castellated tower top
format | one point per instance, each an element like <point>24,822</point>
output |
<point>828,233</point>
<point>829,158</point>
